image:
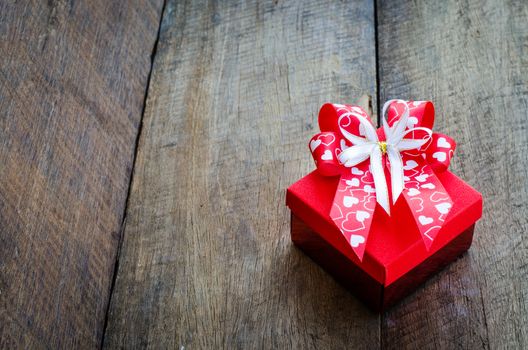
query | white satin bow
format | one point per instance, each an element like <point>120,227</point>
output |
<point>372,147</point>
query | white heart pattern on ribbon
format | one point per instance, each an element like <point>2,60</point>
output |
<point>424,220</point>
<point>440,156</point>
<point>327,155</point>
<point>314,144</point>
<point>442,143</point>
<point>349,201</point>
<point>356,240</point>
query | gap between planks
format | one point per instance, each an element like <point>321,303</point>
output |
<point>132,170</point>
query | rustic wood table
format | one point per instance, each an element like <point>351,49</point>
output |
<point>145,149</point>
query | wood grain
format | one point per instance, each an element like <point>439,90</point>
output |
<point>470,57</point>
<point>207,260</point>
<point>73,77</point>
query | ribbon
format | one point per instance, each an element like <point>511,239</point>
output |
<point>403,152</point>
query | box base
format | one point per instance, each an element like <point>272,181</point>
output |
<point>373,293</point>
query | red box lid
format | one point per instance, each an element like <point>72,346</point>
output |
<point>394,245</point>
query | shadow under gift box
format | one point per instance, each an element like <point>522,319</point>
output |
<point>395,260</point>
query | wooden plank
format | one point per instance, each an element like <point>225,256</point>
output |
<point>73,78</point>
<point>470,58</point>
<point>206,260</point>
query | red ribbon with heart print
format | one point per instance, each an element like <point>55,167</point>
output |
<point>378,166</point>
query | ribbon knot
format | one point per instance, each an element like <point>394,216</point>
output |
<point>383,147</point>
<point>405,149</point>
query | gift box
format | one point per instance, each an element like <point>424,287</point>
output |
<point>381,213</point>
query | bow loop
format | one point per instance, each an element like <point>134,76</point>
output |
<point>353,120</point>
<point>421,113</point>
<point>325,150</point>
<point>420,137</point>
<point>440,151</point>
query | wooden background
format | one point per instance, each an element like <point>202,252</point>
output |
<point>223,100</point>
<point>72,84</point>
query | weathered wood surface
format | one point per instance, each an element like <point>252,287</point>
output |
<point>73,77</point>
<point>471,58</point>
<point>206,260</point>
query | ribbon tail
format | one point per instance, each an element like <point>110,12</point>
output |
<point>427,198</point>
<point>353,207</point>
<point>378,173</point>
<point>396,169</point>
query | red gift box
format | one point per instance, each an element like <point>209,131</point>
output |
<point>396,256</point>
